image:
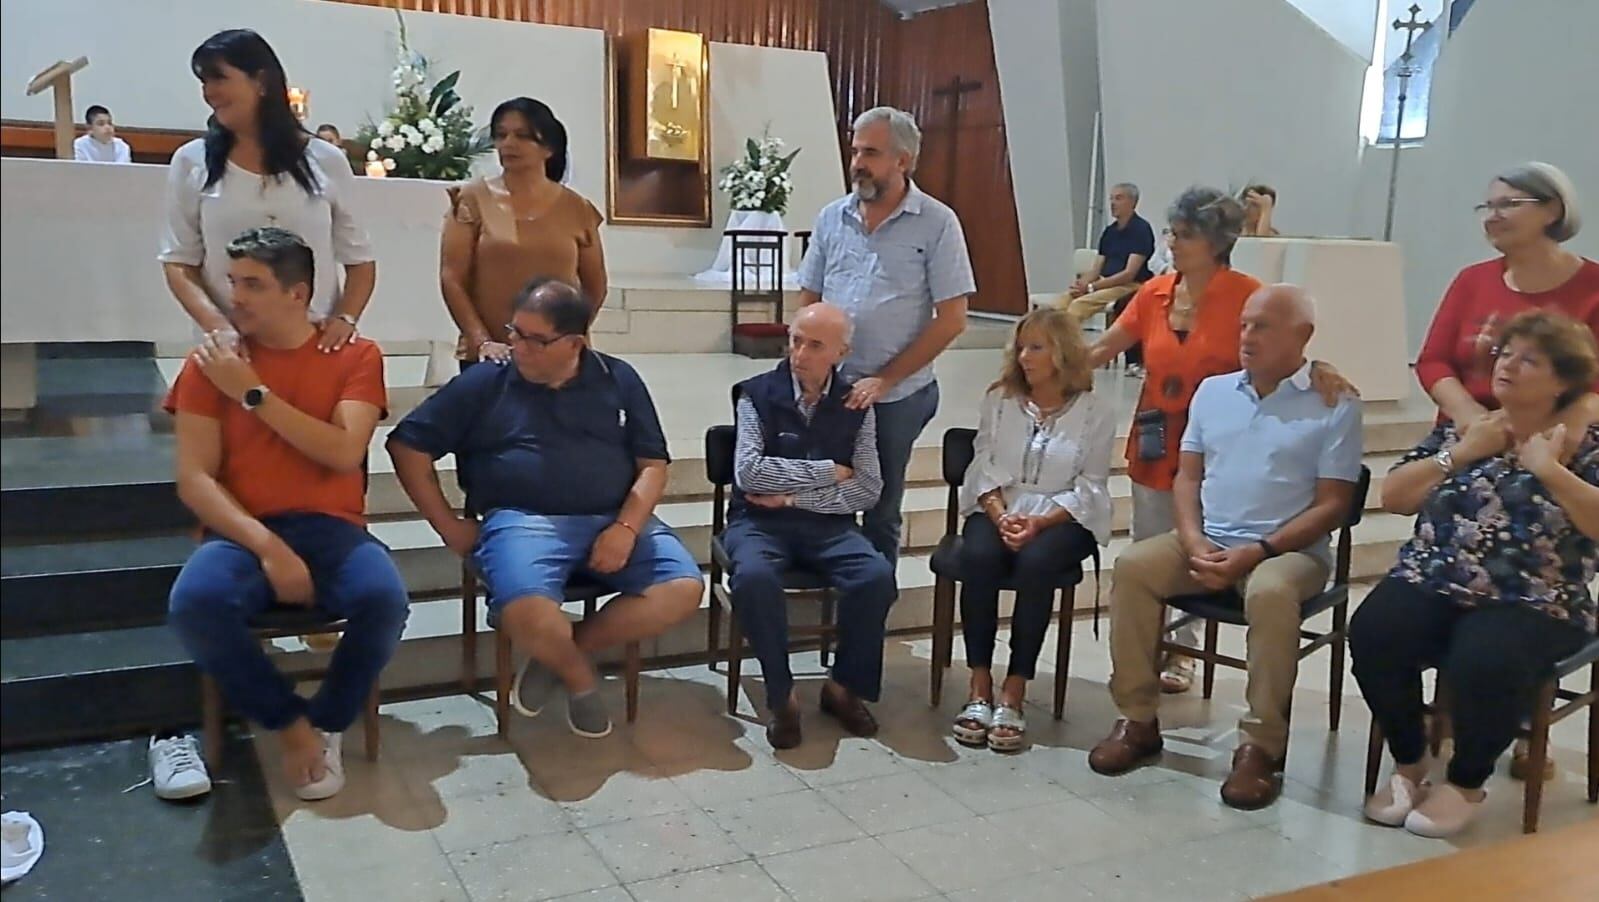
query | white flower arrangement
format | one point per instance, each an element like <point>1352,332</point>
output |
<point>429,133</point>
<point>759,180</point>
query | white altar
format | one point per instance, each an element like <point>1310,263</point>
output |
<point>1360,304</point>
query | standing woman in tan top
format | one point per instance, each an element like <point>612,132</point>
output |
<point>503,230</point>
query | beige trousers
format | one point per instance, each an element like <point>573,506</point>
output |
<point>1095,301</point>
<point>1155,569</point>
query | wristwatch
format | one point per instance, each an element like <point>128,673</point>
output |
<point>1269,548</point>
<point>346,317</point>
<point>254,397</point>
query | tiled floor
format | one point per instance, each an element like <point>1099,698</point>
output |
<point>691,804</point>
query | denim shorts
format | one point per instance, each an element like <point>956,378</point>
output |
<point>521,554</point>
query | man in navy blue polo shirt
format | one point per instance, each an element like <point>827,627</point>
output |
<point>564,455</point>
<point>1123,263</point>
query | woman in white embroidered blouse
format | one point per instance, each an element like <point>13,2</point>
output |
<point>1035,500</point>
<point>257,166</point>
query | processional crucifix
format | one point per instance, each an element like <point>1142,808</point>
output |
<point>1410,27</point>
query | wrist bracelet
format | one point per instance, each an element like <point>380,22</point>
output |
<point>625,525</point>
<point>1445,461</point>
<point>347,318</point>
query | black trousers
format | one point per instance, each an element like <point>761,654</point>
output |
<point>1135,354</point>
<point>986,562</point>
<point>1493,659</point>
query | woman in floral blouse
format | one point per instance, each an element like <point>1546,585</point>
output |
<point>1493,588</point>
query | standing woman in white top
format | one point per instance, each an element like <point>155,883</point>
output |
<point>257,166</point>
<point>1036,500</point>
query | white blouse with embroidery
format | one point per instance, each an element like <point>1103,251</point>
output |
<point>1044,463</point>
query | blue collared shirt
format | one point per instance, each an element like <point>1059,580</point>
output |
<point>888,280</point>
<point>1264,455</point>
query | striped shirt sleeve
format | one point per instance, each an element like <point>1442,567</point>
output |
<point>859,492</point>
<point>758,474</point>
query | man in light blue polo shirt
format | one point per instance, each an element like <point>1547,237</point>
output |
<point>895,260</point>
<point>1267,471</point>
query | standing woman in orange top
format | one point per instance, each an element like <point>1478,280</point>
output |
<point>503,230</point>
<point>1188,322</point>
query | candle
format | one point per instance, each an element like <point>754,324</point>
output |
<point>374,168</point>
<point>299,101</point>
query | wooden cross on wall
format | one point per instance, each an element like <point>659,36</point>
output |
<point>954,91</point>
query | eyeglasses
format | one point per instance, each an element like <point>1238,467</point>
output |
<point>517,335</point>
<point>1504,205</point>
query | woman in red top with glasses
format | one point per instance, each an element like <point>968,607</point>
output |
<point>1529,212</point>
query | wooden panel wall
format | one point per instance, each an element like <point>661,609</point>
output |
<point>874,58</point>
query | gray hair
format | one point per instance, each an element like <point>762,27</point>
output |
<point>1217,216</point>
<point>1548,183</point>
<point>902,129</point>
<point>1129,187</point>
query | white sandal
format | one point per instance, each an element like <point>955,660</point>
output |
<point>1008,718</point>
<point>979,713</point>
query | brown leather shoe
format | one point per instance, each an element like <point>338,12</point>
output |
<point>1256,780</point>
<point>783,731</point>
<point>849,711</point>
<point>1128,745</point>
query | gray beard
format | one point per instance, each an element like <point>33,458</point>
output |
<point>868,190</point>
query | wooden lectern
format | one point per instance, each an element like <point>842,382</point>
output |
<point>59,77</point>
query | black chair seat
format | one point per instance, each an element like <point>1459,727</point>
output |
<point>286,618</point>
<point>1587,655</point>
<point>794,580</point>
<point>1228,606</point>
<point>946,562</point>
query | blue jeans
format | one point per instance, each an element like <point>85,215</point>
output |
<point>762,549</point>
<point>222,587</point>
<point>898,425</point>
<point>523,554</point>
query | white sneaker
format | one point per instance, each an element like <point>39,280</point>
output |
<point>333,764</point>
<point>1445,812</point>
<point>177,769</point>
<point>1391,804</point>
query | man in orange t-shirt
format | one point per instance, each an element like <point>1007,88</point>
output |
<point>272,441</point>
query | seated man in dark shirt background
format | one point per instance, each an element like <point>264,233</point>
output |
<point>564,456</point>
<point>1123,264</point>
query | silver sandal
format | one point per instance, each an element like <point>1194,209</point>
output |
<point>1007,718</point>
<point>977,712</point>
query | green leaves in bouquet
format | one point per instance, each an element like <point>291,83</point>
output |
<point>443,97</point>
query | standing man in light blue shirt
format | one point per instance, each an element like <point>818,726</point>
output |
<point>895,260</point>
<point>1267,471</point>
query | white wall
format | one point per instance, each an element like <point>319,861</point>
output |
<point>1228,92</point>
<point>1029,57</point>
<point>344,53</point>
<point>1352,22</point>
<point>1502,93</point>
<point>1079,27</point>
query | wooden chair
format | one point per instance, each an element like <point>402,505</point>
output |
<point>757,253</point>
<point>957,455</point>
<point>279,622</point>
<point>800,584</point>
<point>1216,608</point>
<point>1552,705</point>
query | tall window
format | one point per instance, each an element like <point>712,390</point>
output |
<point>1385,127</point>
